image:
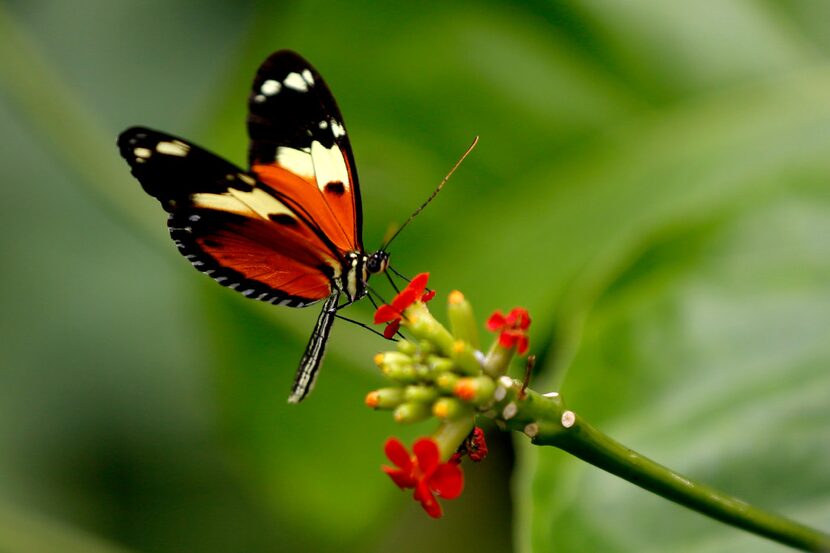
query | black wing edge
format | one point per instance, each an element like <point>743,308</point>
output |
<point>171,176</point>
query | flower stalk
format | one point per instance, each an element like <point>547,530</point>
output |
<point>545,419</point>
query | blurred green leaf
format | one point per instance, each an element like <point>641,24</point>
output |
<point>708,353</point>
<point>667,50</point>
<point>23,533</point>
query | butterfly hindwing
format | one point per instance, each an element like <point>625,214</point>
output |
<point>296,129</point>
<point>239,231</point>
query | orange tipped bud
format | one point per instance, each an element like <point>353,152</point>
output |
<point>385,398</point>
<point>449,408</point>
<point>462,320</point>
<point>476,390</point>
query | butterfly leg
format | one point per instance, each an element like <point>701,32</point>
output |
<point>377,296</point>
<point>392,282</point>
<point>314,351</point>
<point>363,325</point>
<point>390,268</point>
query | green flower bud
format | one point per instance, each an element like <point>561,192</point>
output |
<point>397,366</point>
<point>421,393</point>
<point>465,359</point>
<point>407,347</point>
<point>462,321</point>
<point>425,347</point>
<point>385,398</point>
<point>450,408</point>
<point>439,364</point>
<point>423,325</point>
<point>446,382</point>
<point>412,411</point>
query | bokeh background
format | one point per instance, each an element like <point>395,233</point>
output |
<point>652,182</point>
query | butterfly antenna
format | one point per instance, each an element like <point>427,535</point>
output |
<point>392,282</point>
<point>432,196</point>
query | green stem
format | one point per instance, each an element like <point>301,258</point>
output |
<point>547,422</point>
<point>451,433</point>
<point>589,444</point>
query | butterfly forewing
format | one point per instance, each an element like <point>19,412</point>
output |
<point>296,129</point>
<point>230,226</point>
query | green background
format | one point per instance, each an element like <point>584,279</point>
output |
<point>651,182</point>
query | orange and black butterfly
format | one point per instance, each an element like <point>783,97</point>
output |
<point>289,229</point>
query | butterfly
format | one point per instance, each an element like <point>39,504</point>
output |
<point>289,229</point>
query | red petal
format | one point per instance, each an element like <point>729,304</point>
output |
<point>447,481</point>
<point>428,501</point>
<point>412,293</point>
<point>386,313</point>
<point>401,478</point>
<point>392,328</point>
<point>419,283</point>
<point>404,299</point>
<point>496,321</point>
<point>397,453</point>
<point>428,296</point>
<point>507,339</point>
<point>426,452</point>
<point>523,344</point>
<point>519,318</point>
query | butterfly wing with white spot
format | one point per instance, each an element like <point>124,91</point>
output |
<point>296,129</point>
<point>231,226</point>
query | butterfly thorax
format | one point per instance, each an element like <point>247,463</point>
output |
<point>357,268</point>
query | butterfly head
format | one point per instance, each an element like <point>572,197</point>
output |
<point>377,262</point>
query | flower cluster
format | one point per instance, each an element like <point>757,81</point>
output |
<point>440,373</point>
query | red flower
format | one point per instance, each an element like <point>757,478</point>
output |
<point>393,313</point>
<point>424,472</point>
<point>512,329</point>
